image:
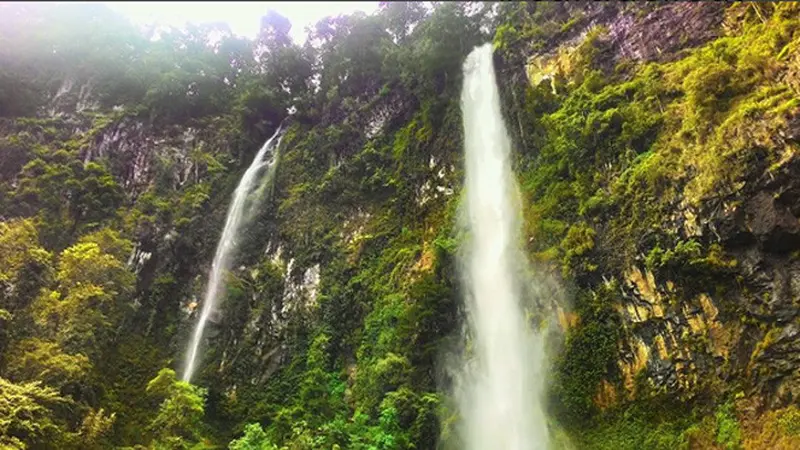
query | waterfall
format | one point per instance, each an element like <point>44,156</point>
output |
<point>499,389</point>
<point>237,215</point>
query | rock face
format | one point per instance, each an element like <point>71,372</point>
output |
<point>683,335</point>
<point>661,34</point>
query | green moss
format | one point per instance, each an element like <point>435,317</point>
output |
<point>625,147</point>
<point>577,243</point>
<point>790,421</point>
<point>505,36</point>
<point>729,435</point>
<point>590,351</point>
<point>688,259</point>
<point>658,424</point>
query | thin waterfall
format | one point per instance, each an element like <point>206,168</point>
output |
<point>499,388</point>
<point>234,221</point>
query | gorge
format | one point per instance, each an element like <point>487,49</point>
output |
<point>586,231</point>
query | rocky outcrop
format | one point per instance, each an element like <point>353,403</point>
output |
<point>684,332</point>
<point>747,331</point>
<point>662,33</point>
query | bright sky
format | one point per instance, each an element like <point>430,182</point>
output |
<point>244,18</point>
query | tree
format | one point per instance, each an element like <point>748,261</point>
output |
<point>24,264</point>
<point>94,426</point>
<point>401,18</point>
<point>274,32</point>
<point>441,43</point>
<point>93,285</point>
<point>36,359</point>
<point>28,416</point>
<point>15,151</point>
<point>64,194</point>
<point>280,78</point>
<point>254,439</point>
<point>37,416</point>
<point>47,48</point>
<point>350,54</point>
<point>97,195</point>
<point>5,318</point>
<point>179,420</point>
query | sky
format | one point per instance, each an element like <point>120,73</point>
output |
<point>243,17</point>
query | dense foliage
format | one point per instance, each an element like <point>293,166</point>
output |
<point>120,147</point>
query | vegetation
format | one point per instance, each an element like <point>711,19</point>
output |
<point>120,149</point>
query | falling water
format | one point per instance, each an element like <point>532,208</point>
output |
<point>234,221</point>
<point>500,387</point>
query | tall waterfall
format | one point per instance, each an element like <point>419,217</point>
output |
<point>499,390</point>
<point>237,215</point>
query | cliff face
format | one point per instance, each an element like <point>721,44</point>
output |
<point>683,329</point>
<point>683,226</point>
<point>656,151</point>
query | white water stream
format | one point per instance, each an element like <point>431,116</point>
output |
<point>259,169</point>
<point>499,390</point>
